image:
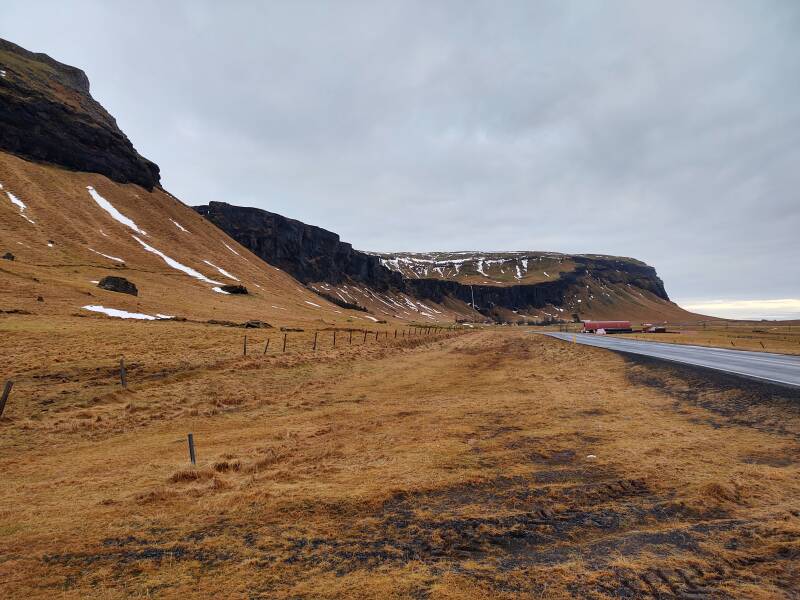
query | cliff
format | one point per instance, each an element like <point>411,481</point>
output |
<point>308,253</point>
<point>48,115</point>
<point>496,282</point>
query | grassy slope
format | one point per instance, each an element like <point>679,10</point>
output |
<point>65,214</point>
<point>455,469</point>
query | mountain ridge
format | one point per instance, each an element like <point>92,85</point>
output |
<point>49,116</point>
<point>562,286</point>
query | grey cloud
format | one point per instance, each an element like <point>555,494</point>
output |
<point>665,131</point>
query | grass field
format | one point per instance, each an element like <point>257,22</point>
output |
<point>758,337</point>
<point>496,463</point>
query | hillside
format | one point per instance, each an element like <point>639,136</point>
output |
<point>49,115</point>
<point>78,203</point>
<point>76,228</point>
<point>504,286</point>
<point>498,268</point>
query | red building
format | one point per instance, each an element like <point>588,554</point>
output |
<point>607,326</point>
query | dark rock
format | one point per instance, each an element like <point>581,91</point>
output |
<point>306,252</point>
<point>48,115</point>
<point>39,299</point>
<point>311,254</point>
<point>8,256</point>
<point>222,322</point>
<point>290,329</point>
<point>253,324</point>
<point>339,301</point>
<point>234,289</point>
<point>118,284</point>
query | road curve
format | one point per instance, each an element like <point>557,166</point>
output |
<point>782,369</point>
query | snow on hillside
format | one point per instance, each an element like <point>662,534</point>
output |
<point>476,267</point>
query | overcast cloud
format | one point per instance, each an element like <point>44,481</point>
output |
<point>666,131</point>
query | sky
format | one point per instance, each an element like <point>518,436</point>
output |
<point>664,131</point>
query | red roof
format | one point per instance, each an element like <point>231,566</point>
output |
<point>606,324</point>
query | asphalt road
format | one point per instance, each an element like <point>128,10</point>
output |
<point>776,368</point>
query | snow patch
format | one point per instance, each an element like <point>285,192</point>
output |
<point>120,314</point>
<point>231,249</point>
<point>221,270</point>
<point>179,226</point>
<point>21,205</point>
<point>372,318</point>
<point>178,266</point>
<point>107,256</point>
<point>219,290</point>
<point>312,304</point>
<point>115,214</point>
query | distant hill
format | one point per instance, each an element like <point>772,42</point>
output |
<point>78,203</point>
<point>500,286</point>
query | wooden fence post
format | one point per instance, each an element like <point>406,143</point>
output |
<point>395,334</point>
<point>4,397</point>
<point>365,337</point>
<point>315,341</point>
<point>192,456</point>
<point>123,373</point>
<point>334,338</point>
<point>284,341</point>
<point>266,346</point>
<point>244,350</point>
<point>351,337</point>
<point>376,335</point>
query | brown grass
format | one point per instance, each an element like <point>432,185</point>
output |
<point>770,337</point>
<point>450,468</point>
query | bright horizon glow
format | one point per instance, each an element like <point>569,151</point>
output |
<point>779,309</point>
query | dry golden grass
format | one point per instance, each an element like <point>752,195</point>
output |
<point>761,337</point>
<point>495,464</point>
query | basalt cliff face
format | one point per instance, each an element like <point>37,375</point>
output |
<point>308,253</point>
<point>48,115</point>
<point>494,284</point>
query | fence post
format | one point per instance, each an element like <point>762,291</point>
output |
<point>334,338</point>
<point>244,350</point>
<point>376,335</point>
<point>266,346</point>
<point>192,456</point>
<point>4,397</point>
<point>365,337</point>
<point>315,341</point>
<point>351,337</point>
<point>123,373</point>
<point>395,334</point>
<point>284,341</point>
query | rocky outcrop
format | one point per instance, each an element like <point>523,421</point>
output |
<point>233,288</point>
<point>48,115</point>
<point>312,254</point>
<point>118,284</point>
<point>306,252</point>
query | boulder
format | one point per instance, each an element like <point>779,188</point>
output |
<point>118,284</point>
<point>256,324</point>
<point>8,256</point>
<point>234,289</point>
